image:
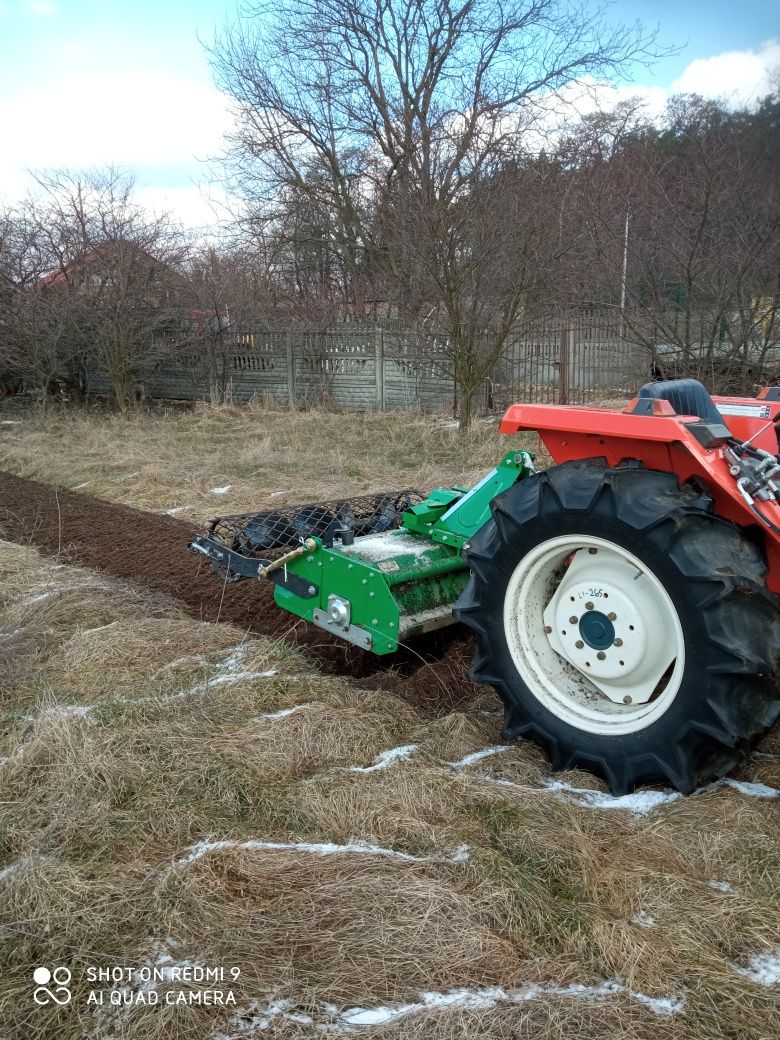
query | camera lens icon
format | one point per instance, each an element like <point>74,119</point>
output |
<point>60,994</point>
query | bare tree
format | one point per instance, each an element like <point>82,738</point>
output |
<point>117,266</point>
<point>685,228</point>
<point>389,115</point>
<point>228,294</point>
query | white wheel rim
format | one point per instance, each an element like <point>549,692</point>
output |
<point>594,634</point>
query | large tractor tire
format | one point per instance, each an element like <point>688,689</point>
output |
<point>627,629</point>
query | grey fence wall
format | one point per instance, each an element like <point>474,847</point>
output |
<point>382,368</point>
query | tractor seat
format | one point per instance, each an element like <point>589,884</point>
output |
<point>686,396</point>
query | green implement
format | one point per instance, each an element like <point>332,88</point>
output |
<point>374,589</point>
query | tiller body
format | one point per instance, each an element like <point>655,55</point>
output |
<point>377,569</point>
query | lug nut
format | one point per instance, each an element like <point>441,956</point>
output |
<point>612,615</point>
<point>628,699</point>
<point>547,629</point>
<point>573,620</point>
<point>618,642</point>
<point>579,644</point>
<point>589,606</point>
<point>601,655</point>
<point>592,551</point>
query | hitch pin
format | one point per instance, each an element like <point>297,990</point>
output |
<point>308,546</point>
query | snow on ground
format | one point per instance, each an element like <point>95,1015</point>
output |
<point>384,759</point>
<point>358,848</point>
<point>176,510</point>
<point>256,1018</point>
<point>283,713</point>
<point>753,790</point>
<point>643,919</point>
<point>721,886</point>
<point>220,490</point>
<point>477,756</point>
<point>19,864</point>
<point>639,803</point>
<point>762,968</point>
<point>91,631</point>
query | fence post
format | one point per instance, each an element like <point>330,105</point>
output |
<point>379,369</point>
<point>290,365</point>
<point>563,367</point>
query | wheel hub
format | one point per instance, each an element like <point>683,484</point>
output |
<point>597,630</point>
<point>607,620</point>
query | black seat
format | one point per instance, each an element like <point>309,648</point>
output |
<point>686,396</point>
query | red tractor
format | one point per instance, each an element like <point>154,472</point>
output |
<point>624,600</point>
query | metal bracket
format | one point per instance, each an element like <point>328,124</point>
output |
<point>352,633</point>
<point>239,566</point>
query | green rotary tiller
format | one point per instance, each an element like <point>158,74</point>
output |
<point>373,570</point>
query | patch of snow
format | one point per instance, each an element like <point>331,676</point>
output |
<point>284,713</point>
<point>19,864</point>
<point>236,677</point>
<point>478,756</point>
<point>162,962</point>
<point>176,510</point>
<point>39,597</point>
<point>275,494</point>
<point>385,759</point>
<point>12,868</point>
<point>387,545</point>
<point>639,803</point>
<point>220,490</point>
<point>79,710</point>
<point>78,487</point>
<point>644,920</point>
<point>10,422</point>
<point>126,477</point>
<point>20,752</point>
<point>100,628</point>
<point>359,848</point>
<point>197,659</point>
<point>721,886</point>
<point>763,968</point>
<point>255,1018</point>
<point>752,790</point>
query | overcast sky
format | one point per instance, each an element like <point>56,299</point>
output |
<point>87,82</point>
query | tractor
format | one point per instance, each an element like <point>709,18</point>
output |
<point>624,599</point>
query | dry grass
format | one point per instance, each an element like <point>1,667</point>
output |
<point>162,461</point>
<point>133,734</point>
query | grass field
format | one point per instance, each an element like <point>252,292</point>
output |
<point>183,460</point>
<point>176,794</point>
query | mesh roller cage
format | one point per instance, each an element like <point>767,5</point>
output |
<point>271,531</point>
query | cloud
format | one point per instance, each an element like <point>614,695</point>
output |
<point>159,124</point>
<point>91,106</point>
<point>127,117</point>
<point>737,77</point>
<point>42,7</point>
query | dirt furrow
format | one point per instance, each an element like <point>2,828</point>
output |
<point>150,550</point>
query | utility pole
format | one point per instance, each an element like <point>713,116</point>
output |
<point>623,279</point>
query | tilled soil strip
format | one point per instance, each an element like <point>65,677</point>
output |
<point>151,550</point>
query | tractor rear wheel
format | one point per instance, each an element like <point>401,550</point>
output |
<point>627,629</point>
